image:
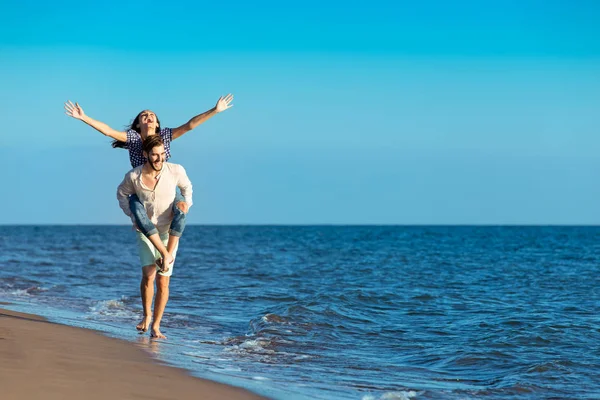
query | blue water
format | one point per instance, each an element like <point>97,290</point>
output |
<point>329,312</point>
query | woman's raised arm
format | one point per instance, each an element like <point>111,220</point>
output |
<point>75,111</point>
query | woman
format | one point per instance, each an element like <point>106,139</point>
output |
<point>146,123</point>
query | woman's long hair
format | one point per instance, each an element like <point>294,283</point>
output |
<point>122,145</point>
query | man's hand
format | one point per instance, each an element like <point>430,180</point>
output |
<point>74,110</point>
<point>224,103</point>
<point>183,206</point>
<point>164,264</point>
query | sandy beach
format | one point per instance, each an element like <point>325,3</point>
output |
<point>51,361</point>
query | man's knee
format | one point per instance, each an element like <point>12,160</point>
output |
<point>162,283</point>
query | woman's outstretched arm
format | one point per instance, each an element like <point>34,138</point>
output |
<point>75,111</point>
<point>223,104</point>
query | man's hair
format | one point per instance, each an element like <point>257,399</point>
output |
<point>151,142</point>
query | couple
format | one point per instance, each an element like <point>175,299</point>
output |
<point>148,195</point>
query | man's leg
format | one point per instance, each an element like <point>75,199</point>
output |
<point>147,293</point>
<point>148,256</point>
<point>162,297</point>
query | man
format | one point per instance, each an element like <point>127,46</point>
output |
<point>146,123</point>
<point>155,183</point>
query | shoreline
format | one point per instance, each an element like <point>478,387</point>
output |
<point>54,361</point>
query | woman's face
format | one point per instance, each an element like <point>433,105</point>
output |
<point>148,119</point>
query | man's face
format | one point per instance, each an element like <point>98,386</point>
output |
<point>148,119</point>
<point>156,157</point>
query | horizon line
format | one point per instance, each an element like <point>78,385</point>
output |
<point>330,224</point>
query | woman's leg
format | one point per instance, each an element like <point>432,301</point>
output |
<point>141,217</point>
<point>178,223</point>
<point>147,227</point>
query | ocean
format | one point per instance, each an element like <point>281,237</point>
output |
<point>339,312</point>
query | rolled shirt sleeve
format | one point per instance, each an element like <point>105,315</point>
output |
<point>125,190</point>
<point>185,185</point>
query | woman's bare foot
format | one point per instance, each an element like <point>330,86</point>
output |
<point>155,334</point>
<point>144,324</point>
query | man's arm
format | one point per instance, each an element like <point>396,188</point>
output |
<point>75,111</point>
<point>223,104</point>
<point>185,185</point>
<point>125,190</point>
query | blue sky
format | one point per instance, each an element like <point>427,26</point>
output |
<point>345,112</point>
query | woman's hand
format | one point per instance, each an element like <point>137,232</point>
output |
<point>74,110</point>
<point>224,103</point>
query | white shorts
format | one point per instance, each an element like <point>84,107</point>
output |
<point>149,254</point>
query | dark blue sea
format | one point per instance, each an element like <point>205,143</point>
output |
<point>339,312</point>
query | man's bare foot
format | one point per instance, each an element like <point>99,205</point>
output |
<point>144,324</point>
<point>155,334</point>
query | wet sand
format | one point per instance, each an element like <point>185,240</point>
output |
<point>51,361</point>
